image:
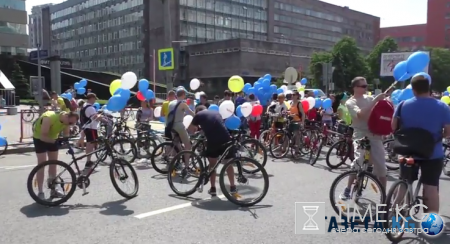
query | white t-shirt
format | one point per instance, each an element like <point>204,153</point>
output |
<point>327,114</point>
<point>89,112</point>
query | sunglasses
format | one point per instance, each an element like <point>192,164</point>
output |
<point>362,86</point>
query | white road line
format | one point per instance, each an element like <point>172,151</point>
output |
<point>176,207</point>
<point>17,167</point>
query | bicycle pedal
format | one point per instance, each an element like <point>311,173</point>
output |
<point>85,193</point>
<point>236,195</point>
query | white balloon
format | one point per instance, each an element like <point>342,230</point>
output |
<point>298,84</point>
<point>311,102</point>
<point>302,93</point>
<point>246,109</point>
<point>197,95</point>
<point>226,109</point>
<point>187,120</point>
<point>157,112</point>
<point>129,80</point>
<point>408,86</point>
<point>195,84</point>
<point>284,87</point>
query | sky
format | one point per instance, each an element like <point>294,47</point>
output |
<point>391,12</point>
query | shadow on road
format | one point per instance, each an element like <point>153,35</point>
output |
<point>115,208</point>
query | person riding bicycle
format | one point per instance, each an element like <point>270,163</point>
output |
<point>213,128</point>
<point>58,102</point>
<point>46,130</point>
<point>277,110</point>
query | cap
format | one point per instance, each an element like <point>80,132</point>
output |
<point>91,95</point>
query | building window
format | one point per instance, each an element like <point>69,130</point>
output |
<point>13,4</point>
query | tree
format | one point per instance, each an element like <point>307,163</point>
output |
<point>315,67</point>
<point>19,81</point>
<point>373,60</point>
<point>439,68</point>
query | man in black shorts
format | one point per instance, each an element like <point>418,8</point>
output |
<point>211,123</point>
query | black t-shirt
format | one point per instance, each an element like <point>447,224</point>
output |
<point>212,126</point>
<point>206,105</point>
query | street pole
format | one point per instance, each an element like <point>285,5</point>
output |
<point>40,99</point>
<point>154,70</point>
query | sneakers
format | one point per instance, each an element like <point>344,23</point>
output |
<point>212,192</point>
<point>41,196</point>
<point>345,195</point>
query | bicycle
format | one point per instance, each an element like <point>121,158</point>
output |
<point>288,135</point>
<point>361,174</point>
<point>316,144</point>
<point>446,166</point>
<point>79,179</point>
<point>201,172</point>
<point>147,139</point>
<point>344,146</point>
<point>411,197</point>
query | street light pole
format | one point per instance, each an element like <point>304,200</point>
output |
<point>40,85</point>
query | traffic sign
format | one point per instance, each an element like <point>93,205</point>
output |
<point>165,59</point>
<point>42,54</point>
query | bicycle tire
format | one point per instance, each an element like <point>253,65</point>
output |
<point>145,143</point>
<point>313,157</point>
<point>286,137</point>
<point>355,172</point>
<point>153,156</point>
<point>70,192</point>
<point>173,164</point>
<point>388,165</point>
<point>264,138</point>
<point>388,206</point>
<point>112,174</point>
<point>5,148</point>
<point>28,117</point>
<point>336,145</point>
<point>225,191</point>
<point>261,148</point>
<point>122,141</point>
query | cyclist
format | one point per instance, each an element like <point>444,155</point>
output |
<point>277,110</point>
<point>89,123</point>
<point>58,102</point>
<point>165,107</point>
<point>341,109</point>
<point>212,126</point>
<point>46,130</point>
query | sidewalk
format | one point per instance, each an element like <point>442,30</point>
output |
<point>27,145</point>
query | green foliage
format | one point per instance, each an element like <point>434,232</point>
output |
<point>373,60</point>
<point>20,82</point>
<point>440,68</point>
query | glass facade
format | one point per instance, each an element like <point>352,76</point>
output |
<point>210,20</point>
<point>13,4</point>
<point>13,50</point>
<point>102,38</point>
<point>13,28</point>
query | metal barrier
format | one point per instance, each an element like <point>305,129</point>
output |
<point>27,118</point>
<point>7,98</point>
<point>162,96</point>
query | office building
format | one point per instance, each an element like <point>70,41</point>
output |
<point>13,28</point>
<point>408,37</point>
<point>284,30</point>
<point>99,35</point>
<point>35,27</point>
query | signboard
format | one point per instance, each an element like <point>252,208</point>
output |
<point>34,54</point>
<point>36,86</point>
<point>165,59</point>
<point>389,60</point>
<point>65,63</point>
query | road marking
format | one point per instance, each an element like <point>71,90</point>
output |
<point>176,207</point>
<point>17,167</point>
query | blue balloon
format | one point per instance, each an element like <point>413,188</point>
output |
<point>246,87</point>
<point>395,94</point>
<point>83,82</point>
<point>266,83</point>
<point>424,74</point>
<point>251,90</point>
<point>68,96</point>
<point>149,95</point>
<point>267,76</point>
<point>316,93</point>
<point>3,141</point>
<point>400,73</point>
<point>303,81</point>
<point>239,112</point>
<point>81,91</point>
<point>257,85</point>
<point>446,93</point>
<point>96,106</point>
<point>162,119</point>
<point>280,91</point>
<point>77,85</point>
<point>213,107</point>
<point>318,103</point>
<point>233,122</point>
<point>124,93</point>
<point>116,103</point>
<point>417,62</point>
<point>326,104</point>
<point>143,86</point>
<point>273,88</point>
<point>406,94</point>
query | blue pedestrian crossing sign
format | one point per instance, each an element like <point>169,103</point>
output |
<point>165,59</point>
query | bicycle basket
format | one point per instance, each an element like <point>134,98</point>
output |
<point>408,172</point>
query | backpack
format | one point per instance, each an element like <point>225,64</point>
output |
<point>415,142</point>
<point>170,120</point>
<point>83,117</point>
<point>68,104</point>
<point>380,118</point>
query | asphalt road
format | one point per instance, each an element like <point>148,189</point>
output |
<point>157,216</point>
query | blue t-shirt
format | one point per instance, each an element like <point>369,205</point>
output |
<point>426,113</point>
<point>240,101</point>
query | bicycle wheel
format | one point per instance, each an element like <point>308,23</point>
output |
<point>390,215</point>
<point>391,157</point>
<point>3,148</point>
<point>236,197</point>
<point>446,165</point>
<point>178,173</point>
<point>358,187</point>
<point>120,164</point>
<point>64,188</point>
<point>316,149</point>
<point>162,155</point>
<point>145,146</point>
<point>264,138</point>
<point>256,151</point>
<point>343,151</point>
<point>28,117</point>
<point>130,151</point>
<point>279,145</point>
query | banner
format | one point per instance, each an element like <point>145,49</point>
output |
<point>389,60</point>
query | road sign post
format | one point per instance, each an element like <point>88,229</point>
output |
<point>165,59</point>
<point>37,84</point>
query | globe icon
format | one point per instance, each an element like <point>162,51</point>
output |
<point>433,223</point>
